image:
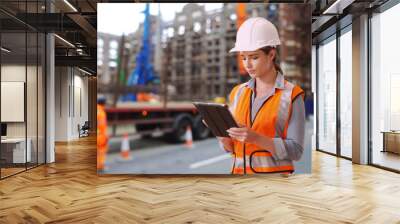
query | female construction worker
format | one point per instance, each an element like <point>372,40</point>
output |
<point>268,109</point>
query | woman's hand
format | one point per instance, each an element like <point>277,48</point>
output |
<point>227,142</point>
<point>244,134</point>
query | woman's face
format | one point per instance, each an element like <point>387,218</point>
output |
<point>257,63</point>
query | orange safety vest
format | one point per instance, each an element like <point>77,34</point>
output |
<point>271,120</point>
<point>101,137</point>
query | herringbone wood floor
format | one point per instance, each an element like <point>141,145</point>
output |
<point>70,191</point>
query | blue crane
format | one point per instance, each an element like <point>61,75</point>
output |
<point>143,73</point>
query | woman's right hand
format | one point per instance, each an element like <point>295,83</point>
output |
<point>227,143</point>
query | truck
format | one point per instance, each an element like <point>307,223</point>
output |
<point>171,119</point>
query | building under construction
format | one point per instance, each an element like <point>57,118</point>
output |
<point>191,53</point>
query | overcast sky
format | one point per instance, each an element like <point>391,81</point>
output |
<point>119,18</point>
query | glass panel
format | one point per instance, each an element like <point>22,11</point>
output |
<point>22,63</point>
<point>41,99</point>
<point>13,77</point>
<point>31,87</point>
<point>345,94</point>
<point>31,97</point>
<point>327,96</point>
<point>385,84</point>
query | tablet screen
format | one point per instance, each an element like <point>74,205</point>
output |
<point>217,116</point>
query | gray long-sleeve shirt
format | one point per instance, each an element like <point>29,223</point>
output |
<point>292,147</point>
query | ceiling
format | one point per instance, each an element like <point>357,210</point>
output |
<point>74,21</point>
<point>337,14</point>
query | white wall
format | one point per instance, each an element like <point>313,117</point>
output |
<point>80,100</point>
<point>71,94</point>
<point>61,103</point>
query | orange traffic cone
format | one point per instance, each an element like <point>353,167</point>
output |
<point>189,137</point>
<point>125,150</point>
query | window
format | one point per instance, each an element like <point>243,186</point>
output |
<point>208,25</point>
<point>113,64</point>
<point>196,14</point>
<point>181,30</point>
<point>114,44</point>
<point>385,89</point>
<point>113,53</point>
<point>100,43</point>
<point>170,32</point>
<point>272,7</point>
<point>291,43</point>
<point>327,96</point>
<point>197,27</point>
<point>346,94</point>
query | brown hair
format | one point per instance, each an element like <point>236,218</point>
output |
<point>266,50</point>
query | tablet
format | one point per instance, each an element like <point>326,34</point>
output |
<point>217,116</point>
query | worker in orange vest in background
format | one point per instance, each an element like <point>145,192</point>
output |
<point>102,138</point>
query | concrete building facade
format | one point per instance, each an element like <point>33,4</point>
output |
<point>196,63</point>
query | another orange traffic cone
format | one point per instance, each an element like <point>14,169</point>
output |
<point>189,137</point>
<point>125,150</point>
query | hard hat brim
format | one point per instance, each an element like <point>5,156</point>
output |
<point>248,48</point>
<point>238,49</point>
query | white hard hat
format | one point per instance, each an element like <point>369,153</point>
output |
<point>256,33</point>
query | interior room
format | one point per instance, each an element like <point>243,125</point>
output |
<point>45,90</point>
<point>22,101</point>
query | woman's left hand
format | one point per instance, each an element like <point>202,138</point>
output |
<point>243,134</point>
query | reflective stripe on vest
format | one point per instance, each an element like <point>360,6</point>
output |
<point>236,97</point>
<point>276,169</point>
<point>257,159</point>
<point>283,113</point>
